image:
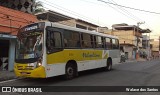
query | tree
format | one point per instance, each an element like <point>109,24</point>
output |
<point>38,7</point>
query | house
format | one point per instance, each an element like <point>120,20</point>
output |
<point>10,23</point>
<point>155,48</point>
<point>103,30</point>
<point>130,38</point>
<point>66,20</point>
<point>146,48</point>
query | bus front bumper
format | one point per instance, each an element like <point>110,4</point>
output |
<point>35,73</point>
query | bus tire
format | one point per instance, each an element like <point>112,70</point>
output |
<point>70,71</point>
<point>109,65</point>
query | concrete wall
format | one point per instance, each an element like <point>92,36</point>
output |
<point>126,37</point>
<point>155,48</point>
<point>89,26</point>
<point>155,54</point>
<point>129,49</point>
<point>71,22</point>
<point>11,59</point>
<point>155,45</point>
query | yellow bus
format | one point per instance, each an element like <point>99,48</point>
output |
<point>47,49</point>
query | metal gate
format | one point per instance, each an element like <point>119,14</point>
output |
<point>4,63</point>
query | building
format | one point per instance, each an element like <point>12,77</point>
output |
<point>10,22</point>
<point>146,47</point>
<point>130,38</point>
<point>155,48</point>
<point>103,29</point>
<point>66,20</point>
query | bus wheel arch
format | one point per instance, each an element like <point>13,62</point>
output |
<point>109,64</point>
<point>71,69</point>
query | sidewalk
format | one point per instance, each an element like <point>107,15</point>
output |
<point>7,75</point>
<point>134,60</point>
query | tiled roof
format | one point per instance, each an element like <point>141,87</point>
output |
<point>11,20</point>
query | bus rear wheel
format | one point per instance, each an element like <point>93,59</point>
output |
<point>70,71</point>
<point>109,65</point>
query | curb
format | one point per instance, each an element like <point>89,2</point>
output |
<point>136,61</point>
<point>7,78</point>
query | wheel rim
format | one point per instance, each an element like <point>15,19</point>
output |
<point>109,67</point>
<point>70,71</point>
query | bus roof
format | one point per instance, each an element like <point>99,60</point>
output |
<point>53,24</point>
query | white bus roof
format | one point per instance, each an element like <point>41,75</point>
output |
<point>78,29</point>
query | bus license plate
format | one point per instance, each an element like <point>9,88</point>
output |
<point>24,73</point>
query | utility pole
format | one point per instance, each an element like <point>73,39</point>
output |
<point>148,48</point>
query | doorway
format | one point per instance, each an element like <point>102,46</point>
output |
<point>4,54</point>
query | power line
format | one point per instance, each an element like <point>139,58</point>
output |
<point>69,11</point>
<point>130,14</point>
<point>128,7</point>
<point>121,12</point>
<point>65,11</point>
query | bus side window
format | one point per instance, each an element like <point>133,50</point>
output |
<point>99,38</point>
<point>92,41</point>
<point>71,39</point>
<point>115,44</point>
<point>95,42</point>
<point>108,43</point>
<point>54,41</point>
<point>86,40</point>
<point>111,44</point>
<point>57,40</point>
<point>103,42</point>
<point>78,44</point>
<point>48,44</point>
<point>65,42</point>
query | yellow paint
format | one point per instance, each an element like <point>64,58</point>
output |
<point>77,55</point>
<point>35,73</point>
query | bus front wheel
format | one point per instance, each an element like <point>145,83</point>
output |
<point>70,71</point>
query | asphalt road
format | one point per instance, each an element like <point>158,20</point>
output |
<point>126,74</point>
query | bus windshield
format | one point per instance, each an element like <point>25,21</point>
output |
<point>29,45</point>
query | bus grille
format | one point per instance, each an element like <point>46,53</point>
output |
<point>25,67</point>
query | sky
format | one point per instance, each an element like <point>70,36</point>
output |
<point>104,14</point>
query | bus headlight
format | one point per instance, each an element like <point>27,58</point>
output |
<point>39,63</point>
